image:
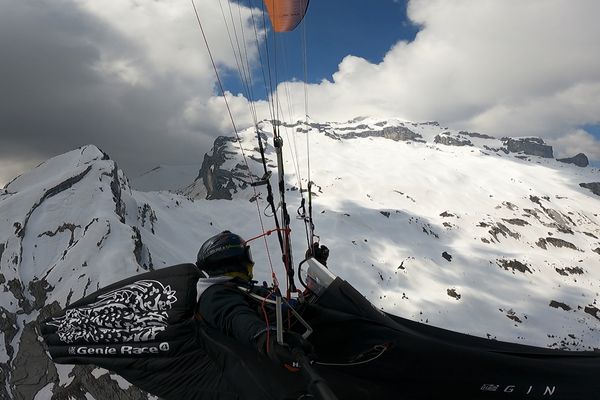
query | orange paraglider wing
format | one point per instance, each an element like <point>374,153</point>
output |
<point>286,14</point>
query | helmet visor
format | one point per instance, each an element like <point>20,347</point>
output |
<point>248,255</point>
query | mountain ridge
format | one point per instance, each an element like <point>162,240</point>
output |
<point>467,236</point>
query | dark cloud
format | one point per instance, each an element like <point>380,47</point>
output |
<point>54,99</point>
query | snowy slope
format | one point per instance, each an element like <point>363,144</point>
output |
<point>522,235</point>
<point>467,236</point>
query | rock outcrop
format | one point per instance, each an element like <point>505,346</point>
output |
<point>69,213</point>
<point>221,183</point>
<point>593,186</point>
<point>528,146</point>
<point>448,140</point>
<point>580,160</point>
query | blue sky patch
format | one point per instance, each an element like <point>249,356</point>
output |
<point>333,29</point>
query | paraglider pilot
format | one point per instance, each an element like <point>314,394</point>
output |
<point>225,301</point>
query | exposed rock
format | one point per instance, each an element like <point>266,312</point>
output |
<point>495,150</point>
<point>516,221</point>
<point>500,228</point>
<point>558,304</point>
<point>561,243</point>
<point>593,311</point>
<point>580,160</point>
<point>385,213</point>
<point>115,187</point>
<point>39,289</point>
<point>446,214</point>
<point>221,183</point>
<point>542,243</point>
<point>32,368</point>
<point>513,315</point>
<point>529,146</point>
<point>142,255</point>
<point>102,387</point>
<point>476,135</point>
<point>593,186</point>
<point>8,325</point>
<point>64,227</point>
<point>447,256</point>
<point>448,140</point>
<point>535,200</point>
<point>453,293</point>
<point>147,215</point>
<point>349,128</point>
<point>514,265</point>
<point>16,288</point>
<point>396,133</point>
<point>560,222</point>
<point>570,271</point>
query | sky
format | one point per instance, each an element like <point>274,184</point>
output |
<point>134,77</point>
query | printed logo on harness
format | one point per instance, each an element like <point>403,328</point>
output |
<point>134,313</point>
<point>528,390</point>
<point>128,350</point>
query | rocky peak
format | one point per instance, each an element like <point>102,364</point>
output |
<point>71,213</point>
<point>530,146</point>
<point>580,160</point>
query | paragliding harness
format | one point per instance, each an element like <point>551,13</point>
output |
<point>270,300</point>
<point>316,385</point>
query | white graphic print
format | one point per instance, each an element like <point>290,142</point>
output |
<point>137,312</point>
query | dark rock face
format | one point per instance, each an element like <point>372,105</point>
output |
<point>593,186</point>
<point>448,140</point>
<point>593,311</point>
<point>503,230</point>
<point>400,133</point>
<point>32,368</point>
<point>570,271</point>
<point>580,160</point>
<point>140,251</point>
<point>221,183</point>
<point>395,133</point>
<point>561,243</point>
<point>514,265</point>
<point>558,304</point>
<point>476,135</point>
<point>529,146</point>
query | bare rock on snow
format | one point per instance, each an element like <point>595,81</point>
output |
<point>579,160</point>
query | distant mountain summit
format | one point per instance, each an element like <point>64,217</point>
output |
<point>458,229</point>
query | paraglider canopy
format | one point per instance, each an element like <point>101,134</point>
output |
<point>286,14</point>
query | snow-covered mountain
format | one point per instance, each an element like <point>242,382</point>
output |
<point>488,236</point>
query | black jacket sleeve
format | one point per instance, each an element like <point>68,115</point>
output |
<point>227,309</point>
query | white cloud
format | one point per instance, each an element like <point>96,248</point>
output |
<point>168,35</point>
<point>501,67</point>
<point>507,67</point>
<point>577,141</point>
